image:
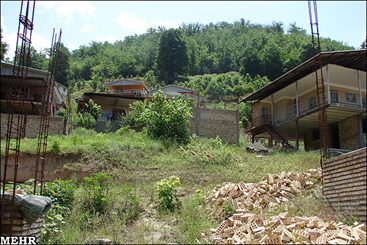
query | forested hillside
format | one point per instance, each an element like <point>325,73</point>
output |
<point>242,52</point>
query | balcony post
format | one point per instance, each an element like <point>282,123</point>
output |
<point>360,90</point>
<point>272,110</point>
<point>297,113</point>
<point>328,84</point>
<point>297,102</point>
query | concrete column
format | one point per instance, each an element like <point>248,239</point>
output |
<point>360,90</point>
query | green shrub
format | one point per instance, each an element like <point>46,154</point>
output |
<point>85,120</point>
<point>167,193</point>
<point>97,189</point>
<point>55,146</point>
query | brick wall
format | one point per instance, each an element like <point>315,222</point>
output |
<point>32,125</point>
<point>20,226</point>
<point>349,133</point>
<point>344,182</point>
<point>210,123</point>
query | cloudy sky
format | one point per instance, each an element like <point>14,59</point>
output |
<point>83,22</point>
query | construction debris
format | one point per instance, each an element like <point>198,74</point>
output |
<point>270,191</point>
<point>244,227</point>
<point>247,228</point>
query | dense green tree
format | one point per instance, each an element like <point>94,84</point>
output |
<point>4,46</point>
<point>363,44</point>
<point>172,55</point>
<point>63,66</point>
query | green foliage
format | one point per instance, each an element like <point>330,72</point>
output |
<point>134,118</point>
<point>168,119</point>
<point>216,142</point>
<point>194,220</point>
<point>167,193</point>
<point>55,146</point>
<point>97,189</point>
<point>94,109</point>
<point>85,120</point>
<point>172,55</point>
<point>4,46</point>
<point>228,208</point>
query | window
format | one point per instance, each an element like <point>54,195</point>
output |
<point>334,96</point>
<point>351,98</point>
<point>121,90</point>
<point>312,102</point>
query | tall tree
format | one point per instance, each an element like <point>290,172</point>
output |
<point>63,65</point>
<point>4,46</point>
<point>173,59</point>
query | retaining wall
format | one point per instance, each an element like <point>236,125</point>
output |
<point>32,125</point>
<point>344,182</point>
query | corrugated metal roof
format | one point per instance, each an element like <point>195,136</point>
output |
<point>354,59</point>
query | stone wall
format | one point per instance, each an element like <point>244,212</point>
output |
<point>349,133</point>
<point>210,123</point>
<point>344,182</point>
<point>32,125</point>
<point>102,126</point>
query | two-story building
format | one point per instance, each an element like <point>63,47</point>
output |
<point>116,102</point>
<point>287,108</point>
<point>35,91</point>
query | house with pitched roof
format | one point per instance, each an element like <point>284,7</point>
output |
<point>172,91</point>
<point>116,102</point>
<point>287,108</point>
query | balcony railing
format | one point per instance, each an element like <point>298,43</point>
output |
<point>309,104</point>
<point>136,92</point>
<point>260,120</point>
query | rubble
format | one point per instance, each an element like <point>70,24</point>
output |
<point>270,191</point>
<point>244,227</point>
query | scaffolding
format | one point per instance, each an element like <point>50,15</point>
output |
<point>16,123</point>
<point>46,113</point>
<point>320,88</point>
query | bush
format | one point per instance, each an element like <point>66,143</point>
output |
<point>165,119</point>
<point>96,188</point>
<point>167,193</point>
<point>168,119</point>
<point>85,120</point>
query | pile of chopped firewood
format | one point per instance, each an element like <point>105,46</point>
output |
<point>270,191</point>
<point>255,228</point>
<point>247,228</point>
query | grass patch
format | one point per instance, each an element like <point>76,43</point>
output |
<point>136,162</point>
